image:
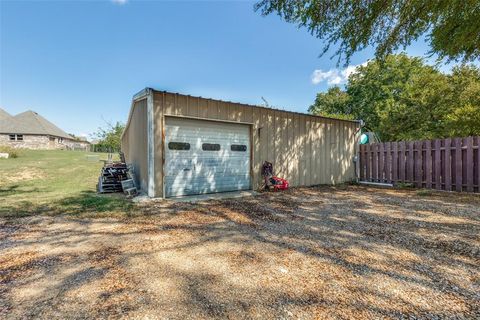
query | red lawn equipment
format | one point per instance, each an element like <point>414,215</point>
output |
<point>272,182</point>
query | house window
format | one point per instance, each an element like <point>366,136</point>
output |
<point>15,137</point>
<point>60,140</point>
<point>238,147</point>
<point>179,146</point>
<point>210,147</point>
<point>51,139</point>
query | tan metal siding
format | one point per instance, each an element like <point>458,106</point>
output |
<point>301,150</point>
<point>306,150</point>
<point>134,143</point>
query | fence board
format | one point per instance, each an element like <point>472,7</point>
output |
<point>410,162</point>
<point>458,164</point>
<point>369,163</point>
<point>381,162</point>
<point>402,168</point>
<point>388,162</point>
<point>478,164</point>
<point>428,164</point>
<point>469,162</point>
<point>362,162</point>
<point>448,165</point>
<point>438,164</point>
<point>441,164</point>
<point>395,162</point>
<point>418,172</point>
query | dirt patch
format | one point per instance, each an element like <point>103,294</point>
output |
<point>24,175</point>
<point>309,253</point>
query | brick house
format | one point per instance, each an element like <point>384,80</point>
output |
<point>30,130</point>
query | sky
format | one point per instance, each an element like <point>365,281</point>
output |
<point>78,63</point>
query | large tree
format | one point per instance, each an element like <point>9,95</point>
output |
<point>464,118</point>
<point>402,98</point>
<point>452,27</point>
<point>333,103</point>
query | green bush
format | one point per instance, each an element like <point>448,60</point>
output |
<point>404,185</point>
<point>12,152</point>
<point>424,193</point>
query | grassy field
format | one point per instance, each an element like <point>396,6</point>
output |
<point>54,182</point>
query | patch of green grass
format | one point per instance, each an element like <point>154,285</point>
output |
<point>55,182</point>
<point>93,203</point>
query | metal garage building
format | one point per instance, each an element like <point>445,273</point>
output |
<point>183,145</point>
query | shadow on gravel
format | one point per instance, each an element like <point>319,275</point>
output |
<point>348,252</point>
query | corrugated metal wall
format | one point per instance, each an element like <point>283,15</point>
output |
<point>134,142</point>
<point>304,149</point>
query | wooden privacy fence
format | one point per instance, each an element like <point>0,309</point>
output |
<point>443,164</point>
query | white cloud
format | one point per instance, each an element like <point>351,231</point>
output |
<point>334,76</point>
<point>119,2</point>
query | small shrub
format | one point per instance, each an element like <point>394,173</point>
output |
<point>403,185</point>
<point>424,193</point>
<point>12,152</point>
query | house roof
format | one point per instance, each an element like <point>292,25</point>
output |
<point>4,115</point>
<point>30,122</point>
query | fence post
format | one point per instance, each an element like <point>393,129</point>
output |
<point>374,162</point>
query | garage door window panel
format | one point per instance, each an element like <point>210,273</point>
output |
<point>210,147</point>
<point>179,146</point>
<point>238,147</point>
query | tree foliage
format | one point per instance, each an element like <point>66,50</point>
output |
<point>451,26</point>
<point>334,104</point>
<point>109,137</point>
<point>402,98</point>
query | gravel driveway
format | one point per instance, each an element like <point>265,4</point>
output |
<point>345,252</point>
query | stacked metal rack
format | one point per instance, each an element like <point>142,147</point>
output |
<point>111,177</point>
<point>116,177</point>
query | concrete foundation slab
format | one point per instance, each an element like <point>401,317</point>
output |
<point>214,196</point>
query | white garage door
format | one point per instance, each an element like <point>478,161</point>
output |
<point>205,157</point>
